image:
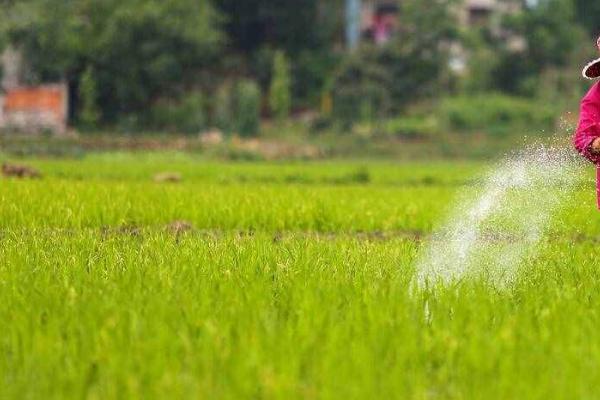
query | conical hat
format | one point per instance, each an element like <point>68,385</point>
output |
<point>592,69</point>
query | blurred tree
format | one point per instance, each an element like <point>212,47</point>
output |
<point>247,108</point>
<point>279,93</point>
<point>587,13</point>
<point>552,36</point>
<point>89,115</point>
<point>184,115</point>
<point>408,68</point>
<point>138,49</point>
<point>361,88</point>
<point>223,117</point>
<point>306,30</point>
<point>237,107</point>
<point>480,49</point>
<point>293,25</point>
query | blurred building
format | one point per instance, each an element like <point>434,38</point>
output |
<point>379,21</point>
<point>488,14</point>
<point>30,109</point>
<point>379,18</point>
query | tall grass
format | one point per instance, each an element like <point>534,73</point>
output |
<point>283,290</point>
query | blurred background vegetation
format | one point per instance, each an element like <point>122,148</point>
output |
<point>281,68</point>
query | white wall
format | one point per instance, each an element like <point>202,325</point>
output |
<point>11,67</point>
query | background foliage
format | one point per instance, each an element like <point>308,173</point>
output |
<point>138,49</point>
<point>135,64</point>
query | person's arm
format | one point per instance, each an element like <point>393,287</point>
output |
<point>586,139</point>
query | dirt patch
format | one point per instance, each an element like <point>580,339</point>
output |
<point>126,230</point>
<point>276,150</point>
<point>168,177</point>
<point>20,171</point>
<point>179,227</point>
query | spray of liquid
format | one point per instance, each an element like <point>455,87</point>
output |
<point>492,231</point>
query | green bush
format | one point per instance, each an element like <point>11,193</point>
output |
<point>279,94</point>
<point>237,108</point>
<point>382,81</point>
<point>410,127</point>
<point>138,52</point>
<point>89,115</point>
<point>311,71</point>
<point>360,91</point>
<point>495,113</point>
<point>247,108</point>
<point>187,115</point>
<point>223,108</point>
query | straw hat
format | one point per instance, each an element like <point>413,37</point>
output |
<point>592,70</point>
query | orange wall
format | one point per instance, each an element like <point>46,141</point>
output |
<point>48,99</point>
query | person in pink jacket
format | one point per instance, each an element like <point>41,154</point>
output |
<point>587,136</point>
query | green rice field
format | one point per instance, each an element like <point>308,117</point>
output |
<point>278,281</point>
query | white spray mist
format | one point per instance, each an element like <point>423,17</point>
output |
<point>493,230</point>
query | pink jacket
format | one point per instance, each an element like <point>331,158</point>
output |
<point>588,129</point>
